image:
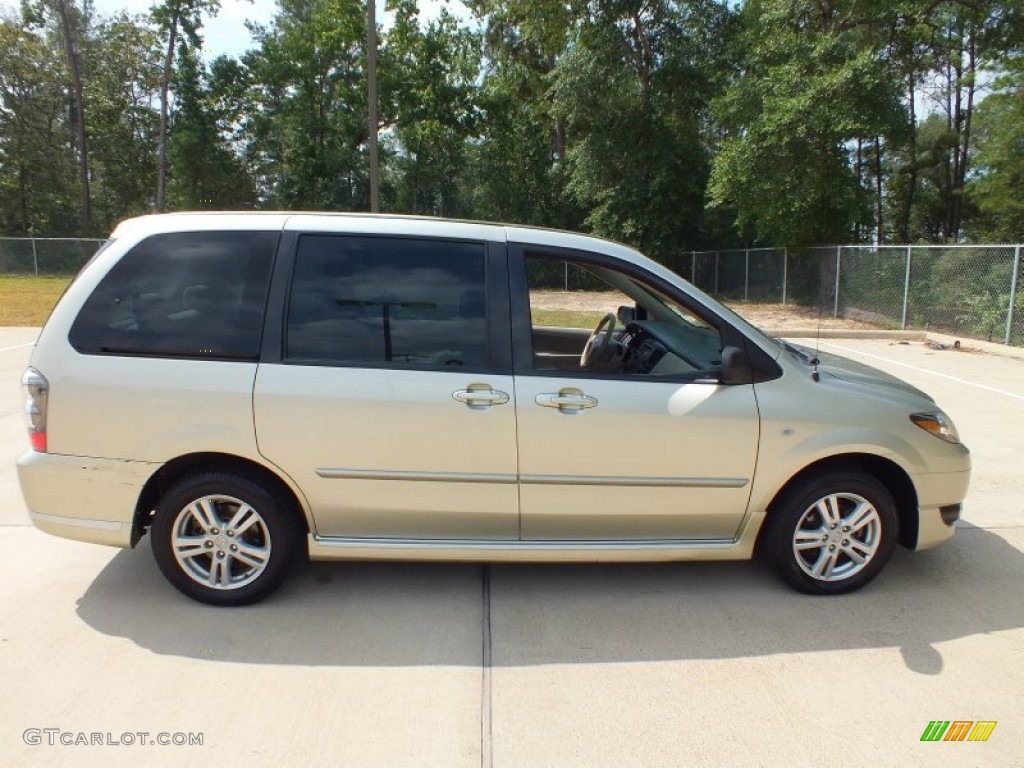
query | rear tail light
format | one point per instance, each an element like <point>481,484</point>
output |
<point>37,390</point>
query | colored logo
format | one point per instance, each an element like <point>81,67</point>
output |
<point>958,730</point>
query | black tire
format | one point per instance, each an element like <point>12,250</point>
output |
<point>220,566</point>
<point>834,519</point>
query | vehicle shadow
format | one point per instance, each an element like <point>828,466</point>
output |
<point>394,614</point>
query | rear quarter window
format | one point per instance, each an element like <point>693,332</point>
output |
<point>187,294</point>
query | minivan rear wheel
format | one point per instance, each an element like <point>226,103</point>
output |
<point>832,533</point>
<point>224,539</point>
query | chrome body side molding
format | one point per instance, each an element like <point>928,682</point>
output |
<point>477,477</point>
<point>339,548</point>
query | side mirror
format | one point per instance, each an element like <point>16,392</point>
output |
<point>626,315</point>
<point>736,367</point>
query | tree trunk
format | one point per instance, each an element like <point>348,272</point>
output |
<point>965,137</point>
<point>559,139</point>
<point>372,117</point>
<point>165,86</point>
<point>26,218</point>
<point>859,173</point>
<point>946,159</point>
<point>78,113</point>
<point>908,206</point>
<point>879,206</point>
<point>956,79</point>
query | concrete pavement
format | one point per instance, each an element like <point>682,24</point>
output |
<point>468,665</point>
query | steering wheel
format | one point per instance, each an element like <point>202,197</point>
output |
<point>599,346</point>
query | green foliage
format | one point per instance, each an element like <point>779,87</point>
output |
<point>672,125</point>
<point>307,128</point>
<point>985,314</point>
<point>38,185</point>
<point>633,89</point>
<point>122,83</point>
<point>206,153</point>
<point>515,173</point>
<point>997,185</point>
<point>810,87</point>
<point>182,18</point>
<point>518,167</point>
<point>435,110</point>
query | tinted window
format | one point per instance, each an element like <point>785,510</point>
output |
<point>388,300</point>
<point>191,294</point>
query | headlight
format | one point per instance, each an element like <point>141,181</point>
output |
<point>938,424</point>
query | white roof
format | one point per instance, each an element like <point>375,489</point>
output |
<point>368,223</point>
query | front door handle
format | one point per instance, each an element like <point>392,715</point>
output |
<point>567,400</point>
<point>480,397</point>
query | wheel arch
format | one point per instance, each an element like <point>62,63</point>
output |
<point>182,466</point>
<point>886,471</point>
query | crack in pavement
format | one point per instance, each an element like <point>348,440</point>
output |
<point>486,757</point>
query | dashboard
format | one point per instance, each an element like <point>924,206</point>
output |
<point>652,347</point>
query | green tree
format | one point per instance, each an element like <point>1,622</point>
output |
<point>72,23</point>
<point>634,89</point>
<point>207,166</point>
<point>428,79</point>
<point>810,85</point>
<point>517,166</point>
<point>37,166</point>
<point>179,21</point>
<point>999,179</point>
<point>306,134</point>
<point>67,25</point>
<point>122,88</point>
<point>946,55</point>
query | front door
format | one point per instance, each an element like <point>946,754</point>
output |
<point>389,406</point>
<point>638,441</point>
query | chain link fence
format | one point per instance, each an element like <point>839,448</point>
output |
<point>973,291</point>
<point>45,255</point>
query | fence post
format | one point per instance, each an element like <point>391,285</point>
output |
<point>1013,293</point>
<point>839,261</point>
<point>746,274</point>
<point>906,290</point>
<point>785,271</point>
<point>693,267</point>
<point>35,258</point>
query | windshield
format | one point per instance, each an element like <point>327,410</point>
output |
<point>735,319</point>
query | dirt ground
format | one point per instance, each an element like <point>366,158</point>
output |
<point>761,315</point>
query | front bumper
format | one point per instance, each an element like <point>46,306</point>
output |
<point>83,498</point>
<point>937,492</point>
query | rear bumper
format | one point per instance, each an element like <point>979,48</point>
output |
<point>83,498</point>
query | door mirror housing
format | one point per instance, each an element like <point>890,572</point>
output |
<point>736,367</point>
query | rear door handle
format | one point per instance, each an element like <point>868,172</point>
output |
<point>567,400</point>
<point>480,397</point>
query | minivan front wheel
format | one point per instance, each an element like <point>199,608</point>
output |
<point>833,533</point>
<point>224,539</point>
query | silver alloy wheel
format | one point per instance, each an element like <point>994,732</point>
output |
<point>221,542</point>
<point>837,536</point>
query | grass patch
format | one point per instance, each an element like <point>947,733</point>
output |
<point>565,318</point>
<point>27,300</point>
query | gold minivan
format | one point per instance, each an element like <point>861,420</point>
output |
<point>246,386</point>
